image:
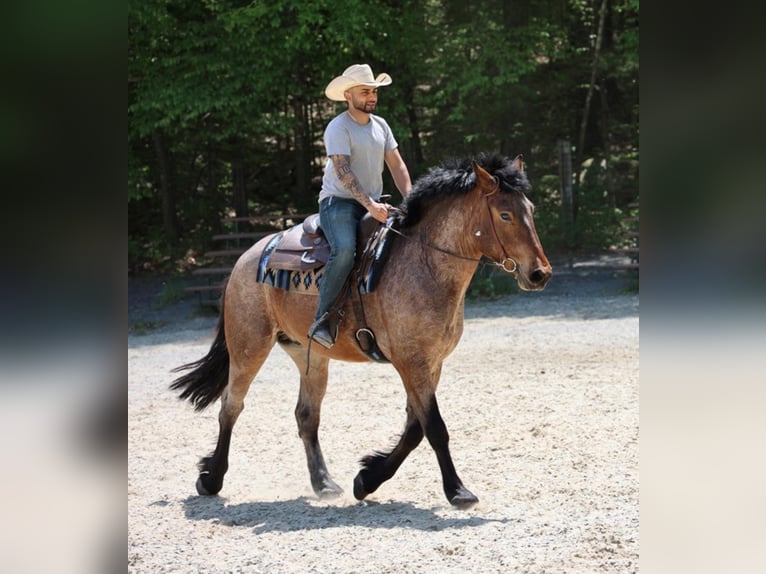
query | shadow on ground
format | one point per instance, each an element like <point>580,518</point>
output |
<point>302,514</point>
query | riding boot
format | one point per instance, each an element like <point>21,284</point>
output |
<point>321,333</point>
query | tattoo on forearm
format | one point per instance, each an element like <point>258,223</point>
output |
<point>343,168</point>
<point>348,179</point>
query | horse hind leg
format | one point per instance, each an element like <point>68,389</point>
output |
<point>248,349</point>
<point>307,414</point>
<point>213,467</point>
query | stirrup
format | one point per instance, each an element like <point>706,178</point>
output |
<point>321,332</point>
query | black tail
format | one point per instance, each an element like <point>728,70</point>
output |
<point>210,375</point>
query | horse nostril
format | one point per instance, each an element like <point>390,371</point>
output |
<point>538,276</point>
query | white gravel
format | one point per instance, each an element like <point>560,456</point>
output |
<point>541,401</point>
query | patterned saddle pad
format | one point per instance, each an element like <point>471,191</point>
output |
<point>294,259</point>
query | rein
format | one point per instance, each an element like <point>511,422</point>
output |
<point>504,264</point>
<point>436,248</point>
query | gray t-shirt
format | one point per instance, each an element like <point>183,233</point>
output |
<point>366,145</point>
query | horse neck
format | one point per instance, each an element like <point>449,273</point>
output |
<point>450,227</point>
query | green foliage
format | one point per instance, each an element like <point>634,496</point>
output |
<point>548,212</point>
<point>225,101</point>
<point>597,224</point>
<point>149,253</point>
<point>172,292</point>
<point>139,179</point>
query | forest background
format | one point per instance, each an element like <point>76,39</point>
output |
<point>226,108</point>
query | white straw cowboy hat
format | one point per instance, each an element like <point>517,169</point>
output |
<point>356,75</point>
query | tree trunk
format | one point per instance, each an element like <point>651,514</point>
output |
<point>212,193</point>
<point>302,156</point>
<point>240,191</point>
<point>167,191</point>
<point>589,97</point>
<point>415,143</point>
<point>565,185</point>
<point>605,135</point>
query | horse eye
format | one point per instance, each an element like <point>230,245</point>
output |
<point>505,216</point>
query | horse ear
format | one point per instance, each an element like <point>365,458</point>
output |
<point>518,163</point>
<point>484,180</point>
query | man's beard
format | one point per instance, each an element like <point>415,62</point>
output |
<point>367,108</point>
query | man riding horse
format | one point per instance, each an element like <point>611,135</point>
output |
<point>358,143</point>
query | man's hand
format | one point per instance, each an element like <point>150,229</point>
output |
<point>379,210</point>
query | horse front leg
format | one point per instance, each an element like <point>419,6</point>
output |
<point>379,467</point>
<point>436,433</point>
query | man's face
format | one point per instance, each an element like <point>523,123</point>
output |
<point>363,98</point>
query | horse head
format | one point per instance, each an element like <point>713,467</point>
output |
<point>507,233</point>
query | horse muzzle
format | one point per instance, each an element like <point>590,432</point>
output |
<point>534,280</point>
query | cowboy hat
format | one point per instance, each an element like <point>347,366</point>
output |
<point>356,75</point>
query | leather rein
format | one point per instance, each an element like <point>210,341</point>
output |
<point>508,264</point>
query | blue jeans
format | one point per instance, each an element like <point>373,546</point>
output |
<point>339,219</point>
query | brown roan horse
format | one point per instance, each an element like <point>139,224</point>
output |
<point>455,215</point>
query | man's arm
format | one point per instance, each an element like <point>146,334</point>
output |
<point>348,180</point>
<point>399,171</point>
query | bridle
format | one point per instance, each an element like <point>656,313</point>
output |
<point>508,264</point>
<point>506,258</point>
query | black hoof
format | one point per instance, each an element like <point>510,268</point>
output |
<point>206,486</point>
<point>464,500</point>
<point>359,491</point>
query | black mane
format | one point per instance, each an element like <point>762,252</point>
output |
<point>456,176</point>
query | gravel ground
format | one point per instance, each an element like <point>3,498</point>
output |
<point>541,401</point>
